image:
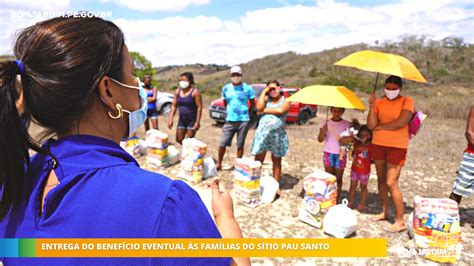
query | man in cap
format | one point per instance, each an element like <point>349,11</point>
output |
<point>237,96</point>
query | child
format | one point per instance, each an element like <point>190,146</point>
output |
<point>360,171</point>
<point>350,132</point>
<point>329,133</point>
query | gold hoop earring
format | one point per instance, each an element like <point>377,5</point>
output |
<point>120,112</point>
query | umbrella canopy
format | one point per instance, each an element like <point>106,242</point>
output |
<point>337,96</point>
<point>384,63</point>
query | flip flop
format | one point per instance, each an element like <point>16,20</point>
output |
<point>388,229</point>
<point>374,219</point>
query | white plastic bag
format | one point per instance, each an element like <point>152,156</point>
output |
<point>173,155</point>
<point>340,221</point>
<point>269,187</point>
<point>209,168</point>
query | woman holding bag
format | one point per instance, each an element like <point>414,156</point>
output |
<point>388,118</point>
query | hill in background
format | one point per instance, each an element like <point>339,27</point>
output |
<point>448,61</point>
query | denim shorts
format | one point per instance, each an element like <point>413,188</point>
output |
<point>187,122</point>
<point>152,113</point>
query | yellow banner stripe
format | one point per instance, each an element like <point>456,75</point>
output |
<point>248,247</point>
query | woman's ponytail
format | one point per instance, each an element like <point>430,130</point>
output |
<point>14,140</point>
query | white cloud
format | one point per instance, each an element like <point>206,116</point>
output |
<point>158,5</point>
<point>17,15</point>
<point>46,5</point>
<point>303,29</point>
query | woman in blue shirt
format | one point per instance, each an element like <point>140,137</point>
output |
<point>77,83</point>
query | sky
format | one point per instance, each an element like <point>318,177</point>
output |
<point>175,32</point>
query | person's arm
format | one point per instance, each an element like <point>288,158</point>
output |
<point>470,127</point>
<point>153,98</point>
<point>401,122</point>
<point>223,210</point>
<point>262,100</point>
<point>251,96</point>
<point>223,97</point>
<point>173,109</point>
<point>283,109</point>
<point>198,101</point>
<point>372,120</point>
<point>322,132</point>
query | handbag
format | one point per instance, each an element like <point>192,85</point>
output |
<point>416,122</point>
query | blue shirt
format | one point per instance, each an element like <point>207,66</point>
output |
<point>237,98</point>
<point>103,193</point>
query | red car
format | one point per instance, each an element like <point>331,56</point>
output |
<point>299,113</point>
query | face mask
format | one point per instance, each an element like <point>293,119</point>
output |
<point>138,117</point>
<point>236,80</point>
<point>183,84</point>
<point>392,94</point>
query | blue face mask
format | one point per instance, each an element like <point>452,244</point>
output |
<point>138,117</point>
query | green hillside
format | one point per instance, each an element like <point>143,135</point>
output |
<point>449,61</point>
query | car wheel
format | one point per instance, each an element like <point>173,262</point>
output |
<point>165,109</point>
<point>304,117</point>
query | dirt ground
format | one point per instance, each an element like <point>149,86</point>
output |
<point>433,159</point>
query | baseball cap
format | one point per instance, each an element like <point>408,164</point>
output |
<point>236,69</point>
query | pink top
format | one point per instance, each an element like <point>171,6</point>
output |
<point>331,144</point>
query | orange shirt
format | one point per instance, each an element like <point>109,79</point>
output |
<point>388,111</point>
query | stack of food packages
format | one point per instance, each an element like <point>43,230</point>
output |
<point>320,195</point>
<point>132,146</point>
<point>436,229</point>
<point>157,143</point>
<point>247,181</point>
<point>192,167</point>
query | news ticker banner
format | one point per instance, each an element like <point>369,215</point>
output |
<point>202,247</point>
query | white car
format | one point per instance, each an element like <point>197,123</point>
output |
<point>164,100</point>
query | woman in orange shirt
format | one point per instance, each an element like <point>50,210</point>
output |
<point>388,118</point>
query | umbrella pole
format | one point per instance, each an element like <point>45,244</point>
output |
<point>376,81</point>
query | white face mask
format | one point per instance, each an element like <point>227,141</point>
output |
<point>183,84</point>
<point>236,80</point>
<point>392,94</point>
<point>136,118</point>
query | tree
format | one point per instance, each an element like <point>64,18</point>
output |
<point>141,65</point>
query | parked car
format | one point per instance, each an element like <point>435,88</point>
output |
<point>299,113</point>
<point>164,100</point>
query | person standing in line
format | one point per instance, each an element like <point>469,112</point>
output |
<point>239,102</point>
<point>271,135</point>
<point>188,100</point>
<point>152,94</point>
<point>464,183</point>
<point>388,118</point>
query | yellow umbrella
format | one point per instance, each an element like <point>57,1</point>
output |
<point>336,96</point>
<point>384,63</point>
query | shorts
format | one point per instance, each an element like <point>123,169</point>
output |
<point>392,155</point>
<point>463,186</point>
<point>186,122</point>
<point>332,160</point>
<point>229,130</point>
<point>362,178</point>
<point>153,113</point>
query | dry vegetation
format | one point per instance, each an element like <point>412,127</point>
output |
<point>449,61</point>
